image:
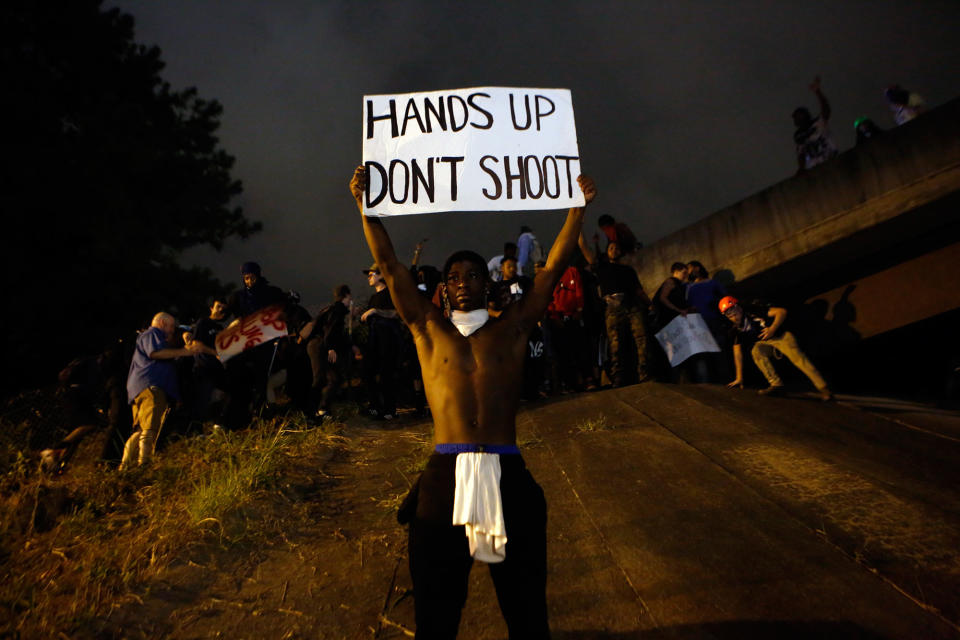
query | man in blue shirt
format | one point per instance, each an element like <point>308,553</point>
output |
<point>151,387</point>
<point>528,251</point>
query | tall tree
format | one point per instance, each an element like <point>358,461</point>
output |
<point>111,174</point>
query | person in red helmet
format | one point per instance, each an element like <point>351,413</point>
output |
<point>762,327</point>
<point>726,302</point>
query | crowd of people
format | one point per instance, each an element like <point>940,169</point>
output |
<point>465,343</point>
<point>484,344</point>
<point>814,143</point>
<point>597,331</point>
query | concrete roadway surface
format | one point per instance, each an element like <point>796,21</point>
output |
<point>696,511</point>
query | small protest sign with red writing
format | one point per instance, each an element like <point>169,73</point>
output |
<point>251,331</point>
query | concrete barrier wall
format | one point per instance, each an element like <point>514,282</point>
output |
<point>905,168</point>
<point>908,292</point>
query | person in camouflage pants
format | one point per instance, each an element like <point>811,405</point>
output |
<point>618,314</point>
<point>626,302</point>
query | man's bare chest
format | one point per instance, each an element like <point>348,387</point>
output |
<point>484,353</point>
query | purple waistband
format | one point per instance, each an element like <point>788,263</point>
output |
<point>470,447</point>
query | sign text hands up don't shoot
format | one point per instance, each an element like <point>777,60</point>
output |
<point>480,149</point>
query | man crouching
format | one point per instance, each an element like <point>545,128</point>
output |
<point>475,499</point>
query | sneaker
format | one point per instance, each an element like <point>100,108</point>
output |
<point>825,394</point>
<point>772,390</point>
<point>51,460</point>
<point>319,419</point>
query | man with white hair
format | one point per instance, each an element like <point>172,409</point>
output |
<point>151,386</point>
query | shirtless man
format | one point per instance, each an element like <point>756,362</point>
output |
<point>473,374</point>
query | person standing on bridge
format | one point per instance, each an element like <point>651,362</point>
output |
<point>905,105</point>
<point>812,138</point>
<point>475,499</point>
<point>761,326</point>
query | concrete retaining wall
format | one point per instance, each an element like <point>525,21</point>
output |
<point>905,168</point>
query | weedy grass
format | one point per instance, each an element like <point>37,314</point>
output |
<point>410,466</point>
<point>600,423</point>
<point>391,503</point>
<point>528,438</point>
<point>73,548</point>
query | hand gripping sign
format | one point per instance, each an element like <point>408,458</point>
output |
<point>251,331</point>
<point>480,149</point>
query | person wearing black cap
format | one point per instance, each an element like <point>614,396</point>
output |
<point>256,294</point>
<point>247,372</point>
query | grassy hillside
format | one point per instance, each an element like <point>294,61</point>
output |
<point>75,547</point>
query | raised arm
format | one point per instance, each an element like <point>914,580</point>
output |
<point>588,253</point>
<point>822,99</point>
<point>410,304</point>
<point>532,306</point>
<point>417,250</point>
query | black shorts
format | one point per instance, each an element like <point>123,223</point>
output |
<point>440,560</point>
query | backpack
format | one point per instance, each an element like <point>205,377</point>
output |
<point>536,252</point>
<point>318,326</point>
<point>568,294</point>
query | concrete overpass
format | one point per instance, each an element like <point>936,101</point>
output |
<point>871,238</point>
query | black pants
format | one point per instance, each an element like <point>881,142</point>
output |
<point>325,374</point>
<point>572,350</point>
<point>246,381</point>
<point>381,364</point>
<point>440,558</point>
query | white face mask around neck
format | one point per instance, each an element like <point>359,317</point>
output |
<point>467,322</point>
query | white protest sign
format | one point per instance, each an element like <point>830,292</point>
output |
<point>480,149</point>
<point>686,336</point>
<point>251,331</point>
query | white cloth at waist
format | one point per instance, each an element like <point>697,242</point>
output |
<point>477,505</point>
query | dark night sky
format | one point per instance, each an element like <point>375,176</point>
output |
<point>682,108</point>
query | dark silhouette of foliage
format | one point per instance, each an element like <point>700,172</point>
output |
<point>112,173</point>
